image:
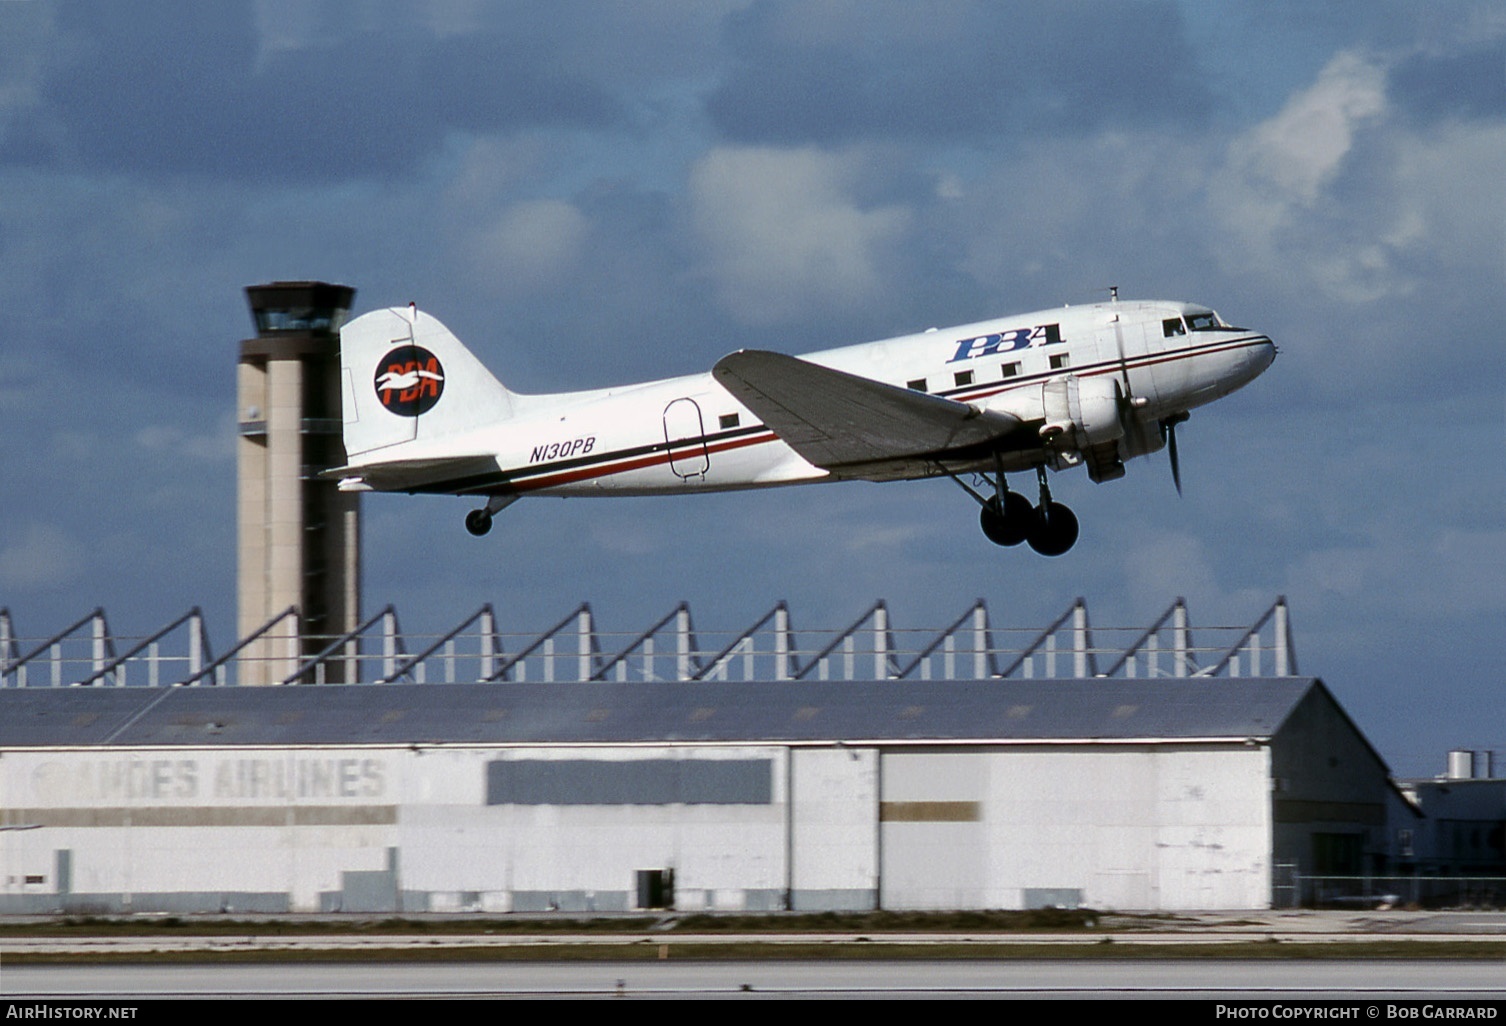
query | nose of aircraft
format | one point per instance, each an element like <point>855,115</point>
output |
<point>1260,356</point>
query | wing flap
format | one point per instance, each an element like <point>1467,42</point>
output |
<point>834,419</point>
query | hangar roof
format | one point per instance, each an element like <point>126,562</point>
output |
<point>620,713</point>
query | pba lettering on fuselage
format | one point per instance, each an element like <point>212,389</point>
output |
<point>409,381</point>
<point>1006,341</point>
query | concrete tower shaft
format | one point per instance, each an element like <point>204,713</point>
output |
<point>298,536</point>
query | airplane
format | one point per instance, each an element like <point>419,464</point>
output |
<point>1093,385</point>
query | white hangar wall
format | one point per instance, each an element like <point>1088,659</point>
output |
<point>103,830</point>
<point>581,828</point>
<point>1142,827</point>
<point>412,829</point>
<point>834,828</point>
<point>532,829</point>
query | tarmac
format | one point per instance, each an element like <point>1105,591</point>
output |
<point>1167,930</point>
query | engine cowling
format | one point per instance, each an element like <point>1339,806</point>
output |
<point>1081,413</point>
<point>1090,420</point>
<point>1087,420</point>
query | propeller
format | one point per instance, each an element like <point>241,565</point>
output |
<point>1169,436</point>
<point>1123,364</point>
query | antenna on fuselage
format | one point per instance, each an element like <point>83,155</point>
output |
<point>1113,293</point>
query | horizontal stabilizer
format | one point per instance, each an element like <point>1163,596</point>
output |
<point>833,419</point>
<point>458,474</point>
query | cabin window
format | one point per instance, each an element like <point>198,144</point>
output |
<point>919,384</point>
<point>1053,333</point>
<point>1011,370</point>
<point>964,377</point>
<point>728,420</point>
<point>1058,361</point>
<point>1173,326</point>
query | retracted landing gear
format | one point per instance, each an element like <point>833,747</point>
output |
<point>479,521</point>
<point>1007,518</point>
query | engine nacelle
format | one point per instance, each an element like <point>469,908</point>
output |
<point>1086,420</point>
<point>1081,413</point>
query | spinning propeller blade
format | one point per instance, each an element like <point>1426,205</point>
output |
<point>1169,436</point>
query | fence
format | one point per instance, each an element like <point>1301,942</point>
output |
<point>1375,892</point>
<point>576,648</point>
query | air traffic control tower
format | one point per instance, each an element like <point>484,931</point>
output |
<point>298,539</point>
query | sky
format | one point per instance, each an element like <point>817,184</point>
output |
<point>593,193</point>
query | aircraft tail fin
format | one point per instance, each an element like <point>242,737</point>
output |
<point>405,377</point>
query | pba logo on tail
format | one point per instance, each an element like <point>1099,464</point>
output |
<point>409,381</point>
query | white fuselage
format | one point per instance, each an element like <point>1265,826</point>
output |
<point>1147,360</point>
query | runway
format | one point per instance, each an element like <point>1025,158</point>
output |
<point>1270,955</point>
<point>1264,980</point>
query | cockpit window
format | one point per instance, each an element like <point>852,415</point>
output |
<point>1204,321</point>
<point>1173,326</point>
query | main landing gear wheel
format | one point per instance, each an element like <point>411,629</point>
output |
<point>1007,518</point>
<point>478,522</point>
<point>1053,530</point>
<point>1011,525</point>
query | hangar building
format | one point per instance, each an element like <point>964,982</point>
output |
<point>1154,793</point>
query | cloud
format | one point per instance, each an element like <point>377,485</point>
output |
<point>42,558</point>
<point>1271,194</point>
<point>1338,191</point>
<point>531,245</point>
<point>847,70</point>
<point>1432,576</point>
<point>782,232</point>
<point>1289,158</point>
<point>1456,85</point>
<point>1161,565</point>
<point>189,90</point>
<point>170,440</point>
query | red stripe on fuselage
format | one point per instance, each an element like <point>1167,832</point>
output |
<point>652,460</point>
<point>1109,367</point>
<point>610,465</point>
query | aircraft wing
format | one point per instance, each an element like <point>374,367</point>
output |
<point>834,419</point>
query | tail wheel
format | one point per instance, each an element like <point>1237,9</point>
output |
<point>1053,530</point>
<point>1008,526</point>
<point>478,522</point>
